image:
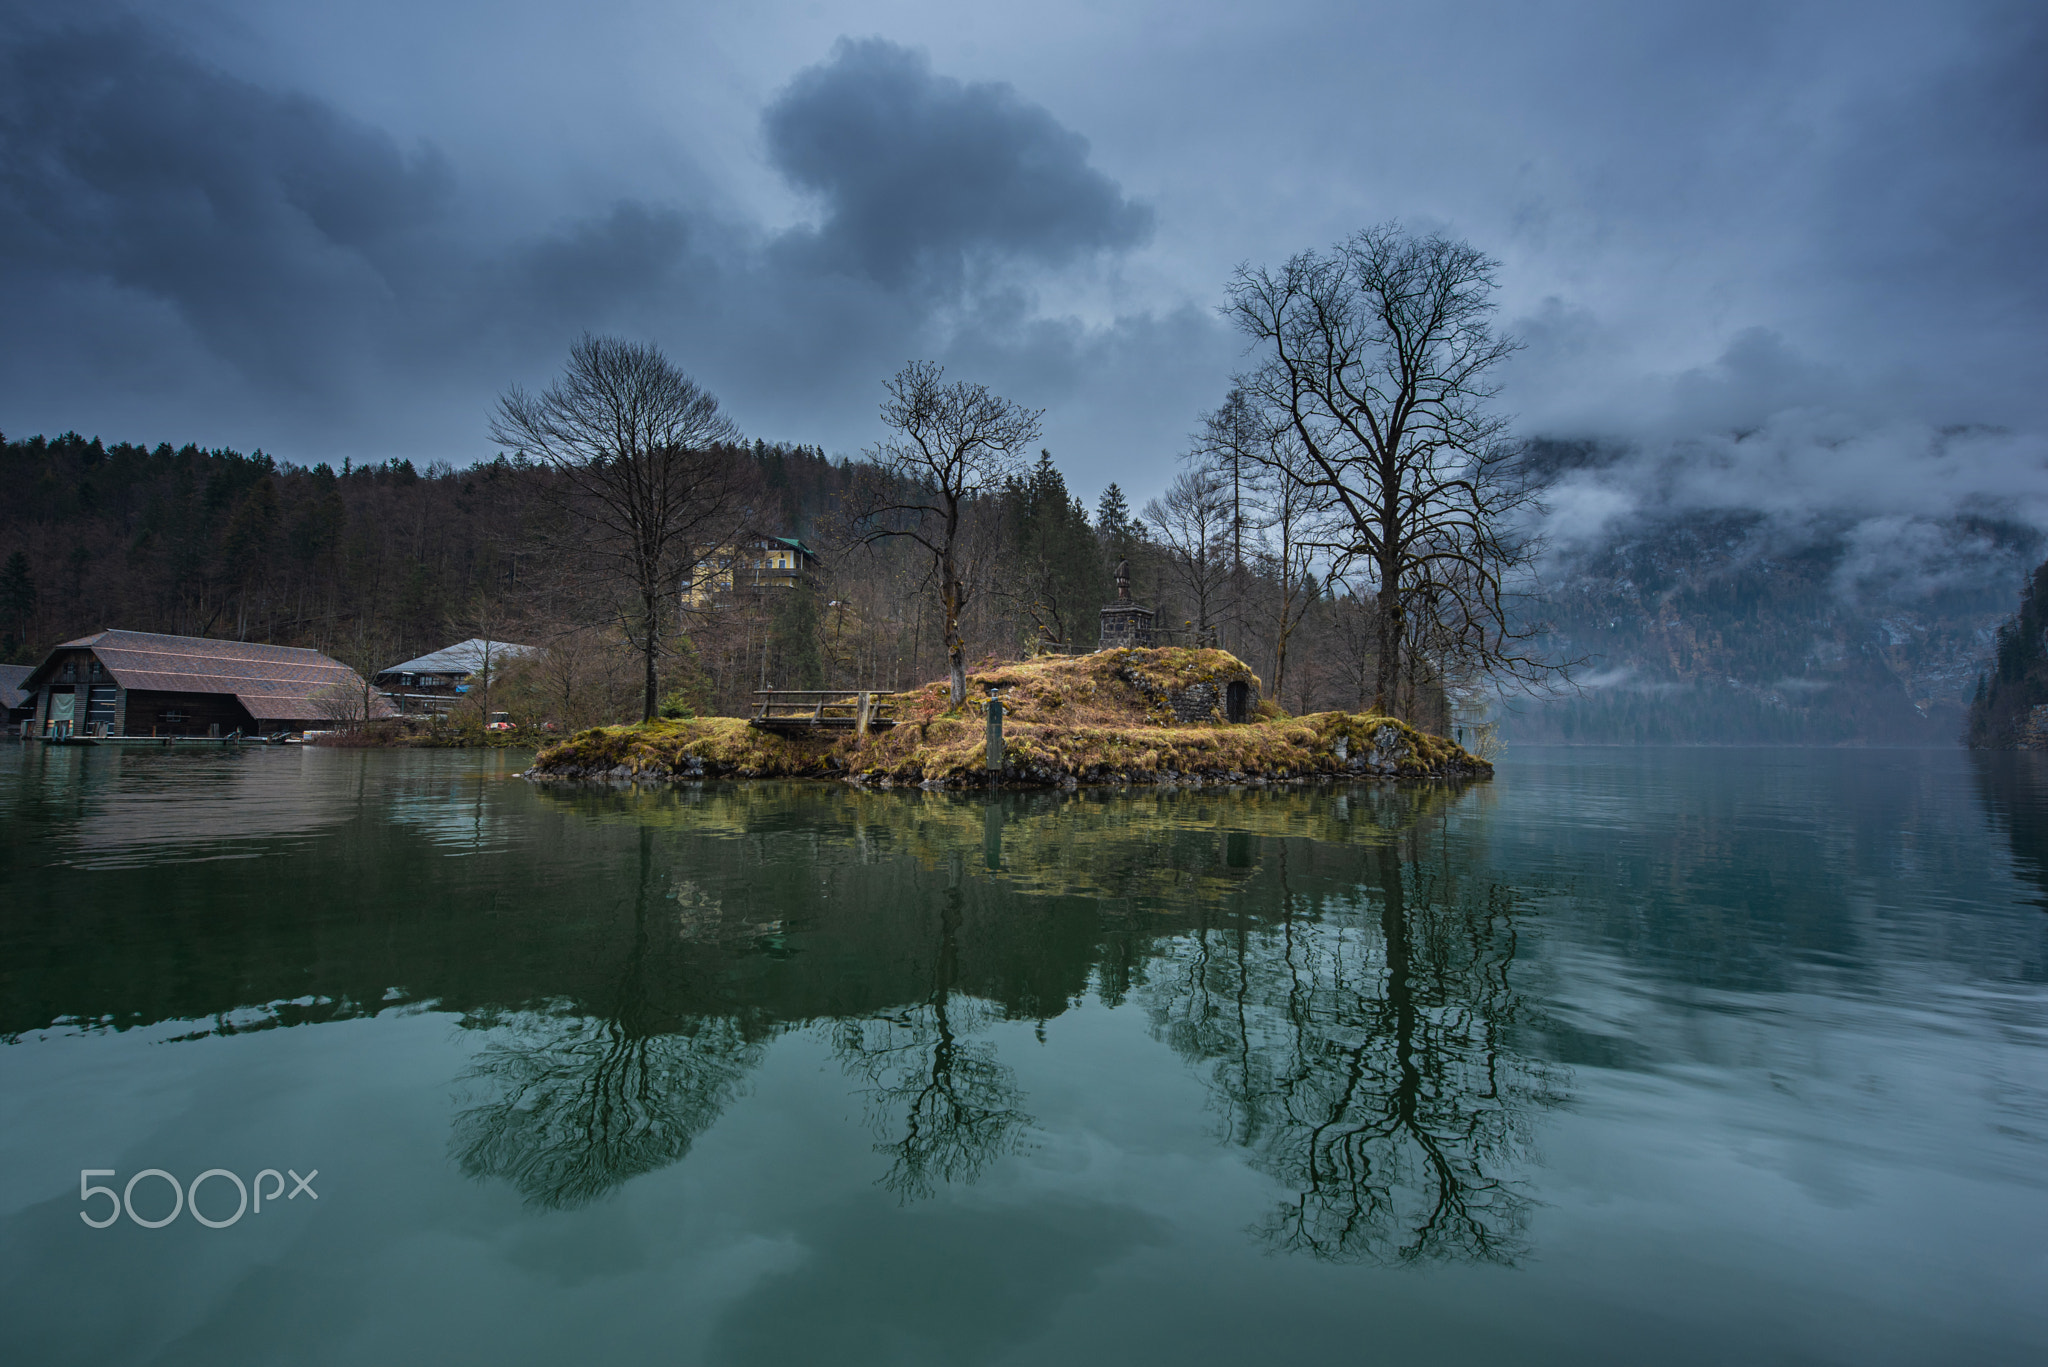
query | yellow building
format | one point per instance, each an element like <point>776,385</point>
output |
<point>773,562</point>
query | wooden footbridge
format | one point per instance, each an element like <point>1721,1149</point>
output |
<point>859,710</point>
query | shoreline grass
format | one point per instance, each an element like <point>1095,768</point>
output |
<point>1097,719</point>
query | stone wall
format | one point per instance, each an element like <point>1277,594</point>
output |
<point>1197,702</point>
<point>1201,702</point>
<point>1125,624</point>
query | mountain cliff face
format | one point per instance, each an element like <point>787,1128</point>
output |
<point>1740,627</point>
<point>2010,708</point>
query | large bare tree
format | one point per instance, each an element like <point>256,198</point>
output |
<point>1378,357</point>
<point>648,459</point>
<point>952,444</point>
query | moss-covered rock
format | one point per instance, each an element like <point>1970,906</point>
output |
<point>1097,719</point>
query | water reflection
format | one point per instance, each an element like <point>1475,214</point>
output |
<point>576,1104</point>
<point>741,1048</point>
<point>2013,787</point>
<point>625,958</point>
<point>941,1104</point>
<point>1358,1044</point>
<point>125,807</point>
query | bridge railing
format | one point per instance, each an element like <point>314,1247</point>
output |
<point>858,710</point>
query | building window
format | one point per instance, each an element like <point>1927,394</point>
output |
<point>70,670</point>
<point>95,669</point>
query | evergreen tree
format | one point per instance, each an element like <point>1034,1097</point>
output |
<point>2002,708</point>
<point>1059,570</point>
<point>1114,524</point>
<point>18,600</point>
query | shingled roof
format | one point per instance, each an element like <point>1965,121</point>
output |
<point>274,683</point>
<point>464,657</point>
<point>11,680</point>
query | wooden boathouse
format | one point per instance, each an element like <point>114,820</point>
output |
<point>16,706</point>
<point>139,683</point>
<point>433,683</point>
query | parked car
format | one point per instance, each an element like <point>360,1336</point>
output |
<point>500,721</point>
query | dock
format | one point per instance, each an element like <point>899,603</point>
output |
<point>160,742</point>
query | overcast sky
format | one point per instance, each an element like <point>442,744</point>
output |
<point>340,230</point>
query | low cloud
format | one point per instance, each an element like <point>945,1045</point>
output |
<point>1764,430</point>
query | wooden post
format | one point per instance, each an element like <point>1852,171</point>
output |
<point>995,733</point>
<point>860,715</point>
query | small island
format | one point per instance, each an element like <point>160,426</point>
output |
<point>1129,715</point>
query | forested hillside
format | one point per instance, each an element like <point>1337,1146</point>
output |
<point>2001,710</point>
<point>378,563</point>
<point>372,563</point>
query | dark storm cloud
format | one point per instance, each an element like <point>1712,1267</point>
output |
<point>249,212</point>
<point>312,275</point>
<point>1936,208</point>
<point>1784,246</point>
<point>918,172</point>
<point>1867,190</point>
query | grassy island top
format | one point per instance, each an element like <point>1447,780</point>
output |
<point>1117,716</point>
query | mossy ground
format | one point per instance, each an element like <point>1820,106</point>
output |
<point>1099,718</point>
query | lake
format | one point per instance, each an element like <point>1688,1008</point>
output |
<point>1625,1056</point>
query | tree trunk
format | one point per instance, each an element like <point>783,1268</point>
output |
<point>952,600</point>
<point>1280,649</point>
<point>1386,669</point>
<point>651,647</point>
<point>956,649</point>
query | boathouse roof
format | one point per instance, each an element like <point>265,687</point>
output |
<point>274,683</point>
<point>12,677</point>
<point>464,657</point>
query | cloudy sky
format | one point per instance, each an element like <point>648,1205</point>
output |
<point>340,230</point>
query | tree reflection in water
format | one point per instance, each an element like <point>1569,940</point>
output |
<point>1358,1046</point>
<point>580,1104</point>
<point>2013,786</point>
<point>1355,1021</point>
<point>955,1107</point>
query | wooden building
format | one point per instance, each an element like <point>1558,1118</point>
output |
<point>432,683</point>
<point>138,683</point>
<point>17,708</point>
<point>770,562</point>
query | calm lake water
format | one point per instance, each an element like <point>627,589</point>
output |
<point>1624,1057</point>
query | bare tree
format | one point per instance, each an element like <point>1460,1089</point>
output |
<point>1378,358</point>
<point>1192,519</point>
<point>355,703</point>
<point>1355,636</point>
<point>1227,444</point>
<point>1289,541</point>
<point>584,676</point>
<point>639,443</point>
<point>954,444</point>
